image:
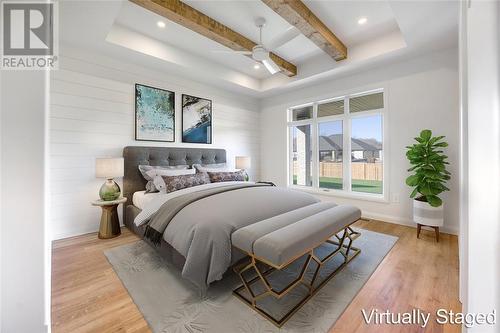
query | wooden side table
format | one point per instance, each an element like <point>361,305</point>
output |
<point>110,225</point>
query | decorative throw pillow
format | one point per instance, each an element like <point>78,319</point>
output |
<point>150,187</point>
<point>150,172</point>
<point>216,177</point>
<point>158,185</point>
<point>175,183</point>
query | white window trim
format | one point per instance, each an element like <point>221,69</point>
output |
<point>346,118</point>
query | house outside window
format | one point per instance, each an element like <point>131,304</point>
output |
<point>336,145</point>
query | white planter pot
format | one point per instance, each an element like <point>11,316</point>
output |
<point>425,214</point>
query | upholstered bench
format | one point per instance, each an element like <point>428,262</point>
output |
<point>275,243</point>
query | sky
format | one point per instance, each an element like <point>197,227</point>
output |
<point>362,128</point>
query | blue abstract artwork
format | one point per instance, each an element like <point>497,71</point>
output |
<point>196,119</point>
<point>154,114</point>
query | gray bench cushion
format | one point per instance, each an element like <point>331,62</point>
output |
<point>284,244</point>
<point>244,238</point>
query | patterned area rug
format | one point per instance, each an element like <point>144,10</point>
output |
<point>170,304</point>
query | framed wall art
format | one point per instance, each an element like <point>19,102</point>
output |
<point>196,119</point>
<point>154,114</point>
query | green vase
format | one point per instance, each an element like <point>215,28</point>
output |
<point>109,190</point>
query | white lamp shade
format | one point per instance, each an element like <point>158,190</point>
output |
<point>109,167</point>
<point>243,162</point>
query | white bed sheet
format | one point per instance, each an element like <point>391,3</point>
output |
<point>140,199</point>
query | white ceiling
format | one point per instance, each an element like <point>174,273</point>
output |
<point>144,22</point>
<point>342,18</point>
<point>394,29</point>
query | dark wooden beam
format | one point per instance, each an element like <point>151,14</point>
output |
<point>180,13</point>
<point>299,15</point>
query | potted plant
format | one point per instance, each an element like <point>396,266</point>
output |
<point>428,179</point>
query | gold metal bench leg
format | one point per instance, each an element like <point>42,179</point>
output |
<point>343,249</point>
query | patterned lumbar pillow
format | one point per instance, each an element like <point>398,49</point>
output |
<point>175,183</point>
<point>216,177</point>
<point>159,183</point>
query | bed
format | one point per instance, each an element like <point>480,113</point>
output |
<point>197,239</point>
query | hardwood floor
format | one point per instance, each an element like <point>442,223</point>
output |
<point>87,296</point>
<point>416,274</point>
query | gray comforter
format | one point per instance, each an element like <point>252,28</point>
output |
<point>201,231</point>
<point>159,222</point>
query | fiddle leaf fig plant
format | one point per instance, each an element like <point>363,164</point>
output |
<point>428,168</point>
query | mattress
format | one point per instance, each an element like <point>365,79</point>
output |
<point>140,198</point>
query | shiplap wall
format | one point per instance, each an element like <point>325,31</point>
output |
<point>92,115</point>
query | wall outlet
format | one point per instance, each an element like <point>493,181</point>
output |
<point>395,197</point>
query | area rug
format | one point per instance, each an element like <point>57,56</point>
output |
<point>171,305</point>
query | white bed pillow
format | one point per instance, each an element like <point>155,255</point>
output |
<point>169,172</point>
<point>216,167</point>
<point>147,169</point>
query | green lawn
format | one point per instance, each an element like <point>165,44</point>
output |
<point>358,185</point>
<point>330,183</point>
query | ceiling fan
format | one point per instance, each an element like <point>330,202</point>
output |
<point>260,53</point>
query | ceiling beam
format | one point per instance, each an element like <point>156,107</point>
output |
<point>180,13</point>
<point>297,14</point>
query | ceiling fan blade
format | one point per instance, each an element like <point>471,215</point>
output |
<point>271,66</point>
<point>232,51</point>
<point>284,38</point>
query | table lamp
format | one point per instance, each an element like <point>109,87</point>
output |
<point>109,168</point>
<point>243,163</point>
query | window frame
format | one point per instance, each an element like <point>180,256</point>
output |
<point>346,118</point>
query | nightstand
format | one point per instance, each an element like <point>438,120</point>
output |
<point>110,225</point>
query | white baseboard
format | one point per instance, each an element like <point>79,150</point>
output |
<point>74,233</point>
<point>404,221</point>
<point>368,215</point>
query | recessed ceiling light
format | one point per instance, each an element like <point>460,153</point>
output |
<point>256,66</point>
<point>160,24</point>
<point>362,20</point>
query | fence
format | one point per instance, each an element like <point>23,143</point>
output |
<point>367,171</point>
<point>359,170</point>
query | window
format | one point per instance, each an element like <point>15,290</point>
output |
<point>302,113</point>
<point>366,102</point>
<point>331,149</point>
<point>323,133</point>
<point>331,108</point>
<point>366,154</point>
<point>302,155</point>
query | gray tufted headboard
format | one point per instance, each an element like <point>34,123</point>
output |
<point>137,155</point>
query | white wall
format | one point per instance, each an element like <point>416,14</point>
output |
<point>421,93</point>
<point>482,232</point>
<point>25,272</point>
<point>92,115</point>
<point>464,157</point>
